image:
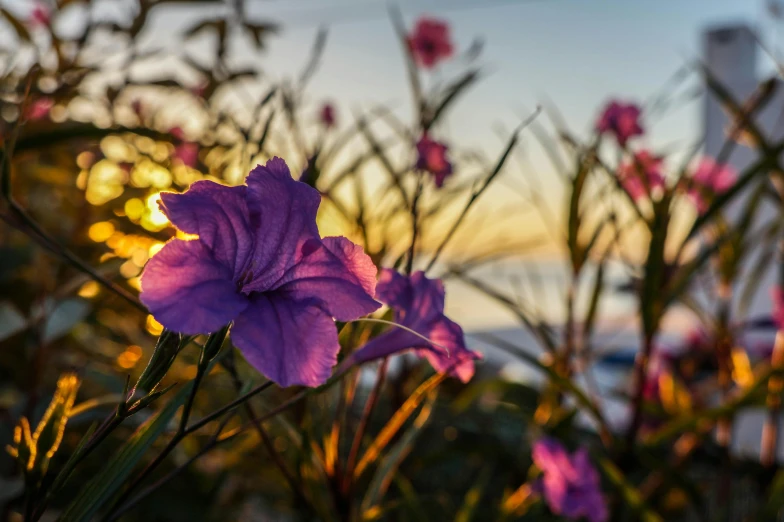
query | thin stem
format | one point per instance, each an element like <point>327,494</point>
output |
<point>414,223</point>
<point>362,427</point>
<point>641,370</point>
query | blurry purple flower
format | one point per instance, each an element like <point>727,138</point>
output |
<point>259,262</point>
<point>621,120</point>
<point>39,108</point>
<point>418,303</point>
<point>187,153</point>
<point>777,296</point>
<point>710,179</point>
<point>429,42</point>
<point>327,115</point>
<point>432,158</point>
<point>40,16</point>
<point>570,484</point>
<point>641,175</point>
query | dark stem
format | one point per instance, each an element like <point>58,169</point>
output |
<point>640,374</point>
<point>348,478</point>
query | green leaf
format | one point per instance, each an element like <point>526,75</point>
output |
<point>397,421</point>
<point>391,461</point>
<point>113,475</point>
<point>630,495</point>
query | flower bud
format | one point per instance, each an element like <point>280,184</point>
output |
<point>166,350</point>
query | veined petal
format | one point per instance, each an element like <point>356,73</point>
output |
<point>429,297</point>
<point>284,218</point>
<point>448,351</point>
<point>188,291</point>
<point>220,217</point>
<point>291,342</point>
<point>394,289</point>
<point>337,272</point>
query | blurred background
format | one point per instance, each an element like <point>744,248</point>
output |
<point>106,103</point>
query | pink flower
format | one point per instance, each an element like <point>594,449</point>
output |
<point>327,115</point>
<point>138,108</point>
<point>187,153</point>
<point>621,120</point>
<point>40,16</point>
<point>429,42</point>
<point>199,90</point>
<point>641,175</point>
<point>39,109</point>
<point>432,158</point>
<point>177,133</point>
<point>709,179</point>
<point>777,296</point>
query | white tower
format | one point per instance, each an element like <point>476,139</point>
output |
<point>731,56</point>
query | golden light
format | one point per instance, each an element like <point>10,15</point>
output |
<point>85,159</point>
<point>153,218</point>
<point>134,208</point>
<point>129,269</point>
<point>129,357</point>
<point>153,326</point>
<point>148,173</point>
<point>105,182</point>
<point>89,289</point>
<point>185,236</point>
<point>135,283</point>
<point>100,232</point>
<point>155,248</point>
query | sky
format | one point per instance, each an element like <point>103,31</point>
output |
<point>572,54</point>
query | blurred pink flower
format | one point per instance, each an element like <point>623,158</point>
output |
<point>177,133</point>
<point>429,42</point>
<point>187,153</point>
<point>39,108</point>
<point>137,107</point>
<point>641,175</point>
<point>40,16</point>
<point>432,158</point>
<point>200,89</point>
<point>709,179</point>
<point>777,296</point>
<point>327,115</point>
<point>621,120</point>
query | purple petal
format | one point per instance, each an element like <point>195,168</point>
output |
<point>337,272</point>
<point>428,299</point>
<point>188,291</point>
<point>284,218</point>
<point>448,351</point>
<point>219,215</point>
<point>394,289</point>
<point>291,342</point>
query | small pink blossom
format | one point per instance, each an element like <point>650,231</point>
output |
<point>621,120</point>
<point>199,90</point>
<point>39,108</point>
<point>40,16</point>
<point>710,179</point>
<point>177,132</point>
<point>641,175</point>
<point>432,158</point>
<point>327,115</point>
<point>777,296</point>
<point>187,153</point>
<point>138,108</point>
<point>429,42</point>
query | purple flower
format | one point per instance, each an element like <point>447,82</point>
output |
<point>432,158</point>
<point>259,262</point>
<point>429,42</point>
<point>419,305</point>
<point>621,120</point>
<point>570,483</point>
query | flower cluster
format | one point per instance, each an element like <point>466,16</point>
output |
<point>260,264</point>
